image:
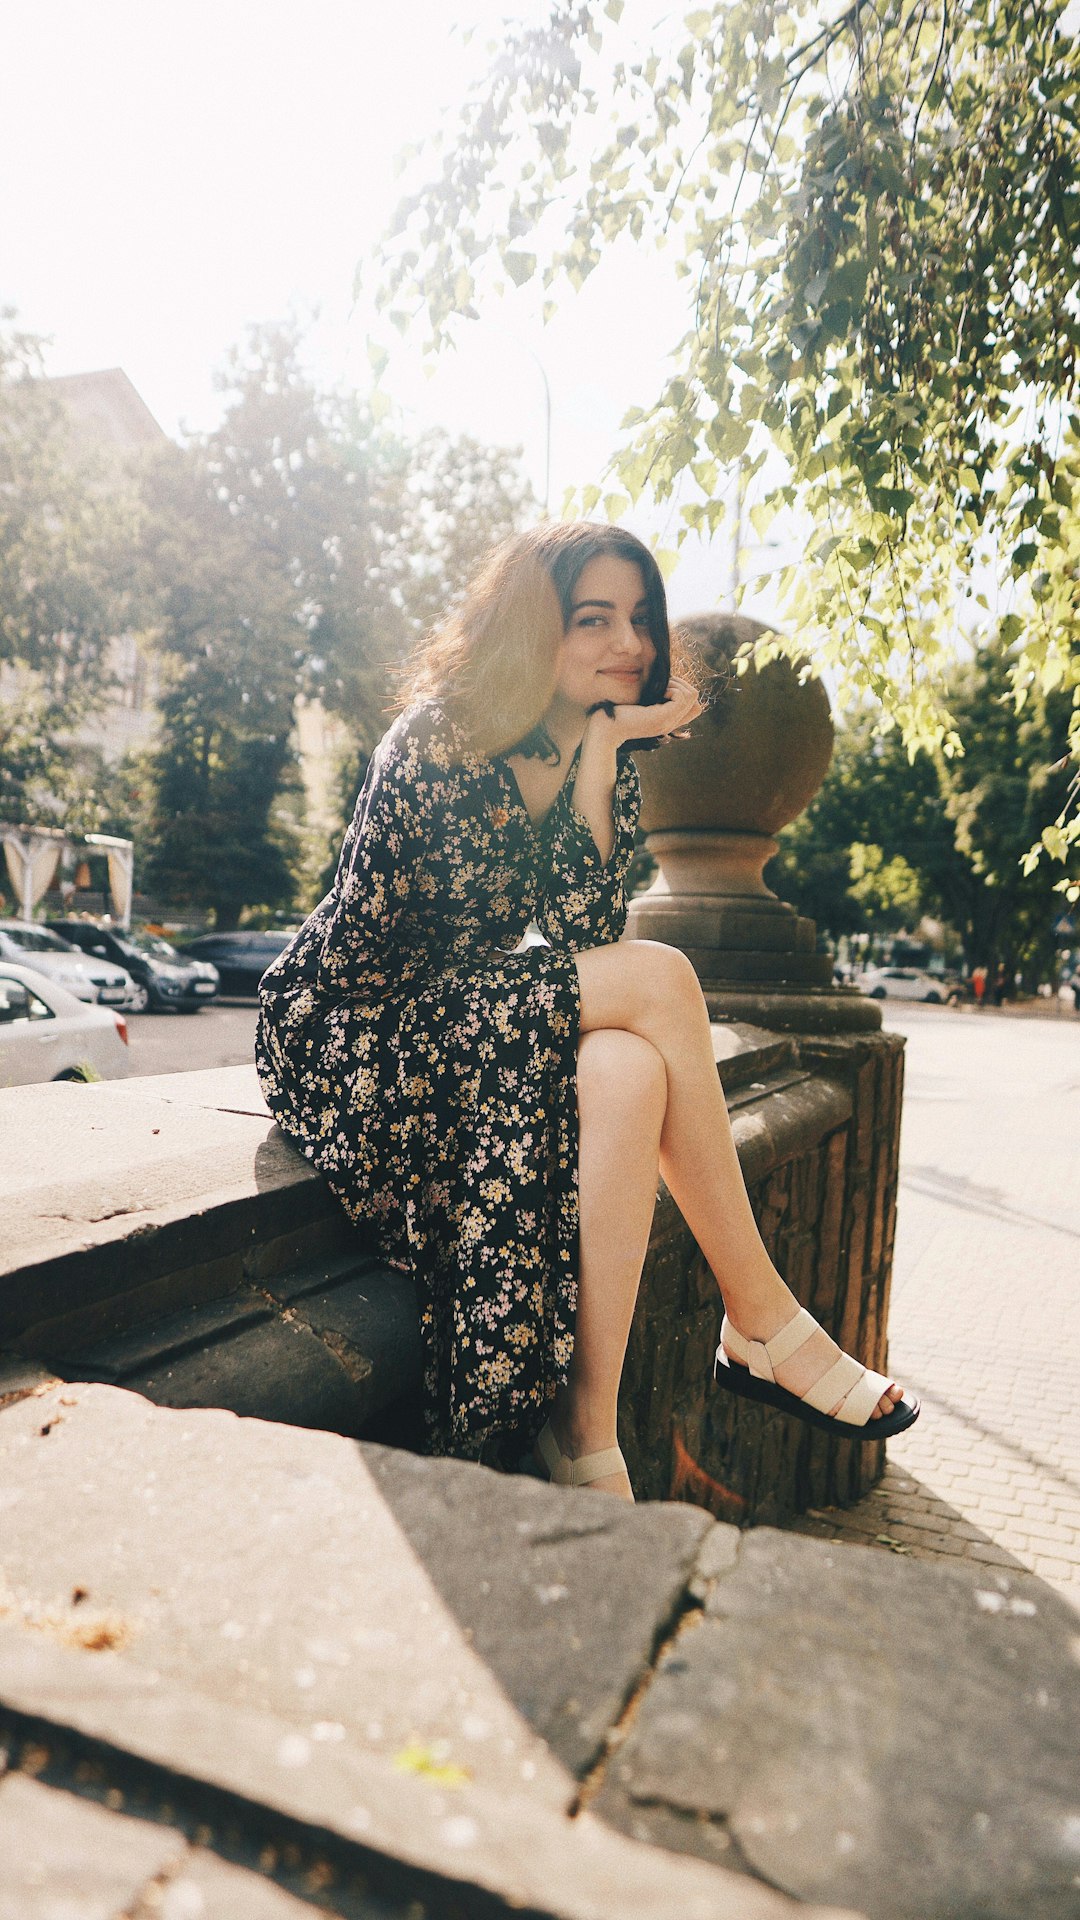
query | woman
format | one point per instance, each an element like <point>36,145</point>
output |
<point>498,1116</point>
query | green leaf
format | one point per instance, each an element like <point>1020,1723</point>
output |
<point>520,267</point>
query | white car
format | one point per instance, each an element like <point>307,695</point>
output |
<point>57,959</point>
<point>901,983</point>
<point>46,1034</point>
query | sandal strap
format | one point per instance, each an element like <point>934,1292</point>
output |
<point>764,1356</point>
<point>854,1390</point>
<point>558,1464</point>
<point>593,1466</point>
<point>564,1471</point>
<point>859,1404</point>
<point>836,1385</point>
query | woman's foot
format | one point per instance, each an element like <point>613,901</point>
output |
<point>570,1457</point>
<point>810,1361</point>
<point>801,1355</point>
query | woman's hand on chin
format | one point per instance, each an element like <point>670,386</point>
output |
<point>667,720</point>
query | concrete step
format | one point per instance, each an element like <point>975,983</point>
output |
<point>409,1679</point>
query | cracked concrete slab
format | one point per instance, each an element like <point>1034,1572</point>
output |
<point>853,1728</point>
<point>65,1858</point>
<point>240,1605</point>
<point>565,1600</point>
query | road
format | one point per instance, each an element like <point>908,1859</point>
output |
<point>217,1036</point>
<point>985,1317</point>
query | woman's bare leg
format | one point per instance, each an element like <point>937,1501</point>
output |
<point>622,1091</point>
<point>652,991</point>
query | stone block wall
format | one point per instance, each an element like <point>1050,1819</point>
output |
<point>821,1165</point>
<point>197,1259</point>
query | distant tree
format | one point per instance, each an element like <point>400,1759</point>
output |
<point>61,534</point>
<point>446,502</point>
<point>232,650</point>
<point>1014,773</point>
<point>889,837</point>
<point>297,549</point>
<point>875,207</point>
<point>874,799</point>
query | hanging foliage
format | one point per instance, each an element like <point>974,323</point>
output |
<point>875,207</point>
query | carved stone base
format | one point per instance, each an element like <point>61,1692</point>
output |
<point>709,898</point>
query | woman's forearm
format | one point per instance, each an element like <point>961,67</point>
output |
<point>594,784</point>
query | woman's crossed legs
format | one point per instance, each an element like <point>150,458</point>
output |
<point>649,1101</point>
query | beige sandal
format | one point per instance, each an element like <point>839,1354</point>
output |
<point>563,1471</point>
<point>748,1367</point>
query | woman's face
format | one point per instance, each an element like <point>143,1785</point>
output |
<point>606,651</point>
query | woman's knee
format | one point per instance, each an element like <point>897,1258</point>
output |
<point>649,970</point>
<point>615,1064</point>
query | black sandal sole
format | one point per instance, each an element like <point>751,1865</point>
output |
<point>736,1379</point>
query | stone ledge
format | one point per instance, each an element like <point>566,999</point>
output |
<point>66,1856</point>
<point>173,1185</point>
<point>198,1258</point>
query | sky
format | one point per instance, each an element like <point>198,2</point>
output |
<point>172,173</point>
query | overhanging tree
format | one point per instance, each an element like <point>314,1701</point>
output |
<point>875,205</point>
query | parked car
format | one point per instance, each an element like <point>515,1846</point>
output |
<point>162,977</point>
<point>901,983</point>
<point>47,1034</point>
<point>57,959</point>
<point>240,958</point>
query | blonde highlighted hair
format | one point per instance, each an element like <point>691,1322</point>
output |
<point>493,662</point>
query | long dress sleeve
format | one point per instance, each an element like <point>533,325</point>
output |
<point>376,873</point>
<point>584,899</point>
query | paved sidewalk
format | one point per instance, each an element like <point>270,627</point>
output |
<point>985,1321</point>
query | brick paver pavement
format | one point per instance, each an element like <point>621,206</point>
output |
<point>985,1320</point>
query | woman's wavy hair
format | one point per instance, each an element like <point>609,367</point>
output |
<point>492,663</point>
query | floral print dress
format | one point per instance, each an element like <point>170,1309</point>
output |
<point>428,1070</point>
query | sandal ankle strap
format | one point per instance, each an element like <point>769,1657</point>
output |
<point>564,1471</point>
<point>764,1356</point>
<point>593,1466</point>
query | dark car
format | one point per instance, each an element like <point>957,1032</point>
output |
<point>240,958</point>
<point>162,976</point>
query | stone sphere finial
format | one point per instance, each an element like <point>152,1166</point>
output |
<point>756,757</point>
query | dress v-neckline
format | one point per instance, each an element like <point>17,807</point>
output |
<point>537,823</point>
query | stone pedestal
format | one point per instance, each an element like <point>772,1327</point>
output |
<point>712,807</point>
<point>825,1195</point>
